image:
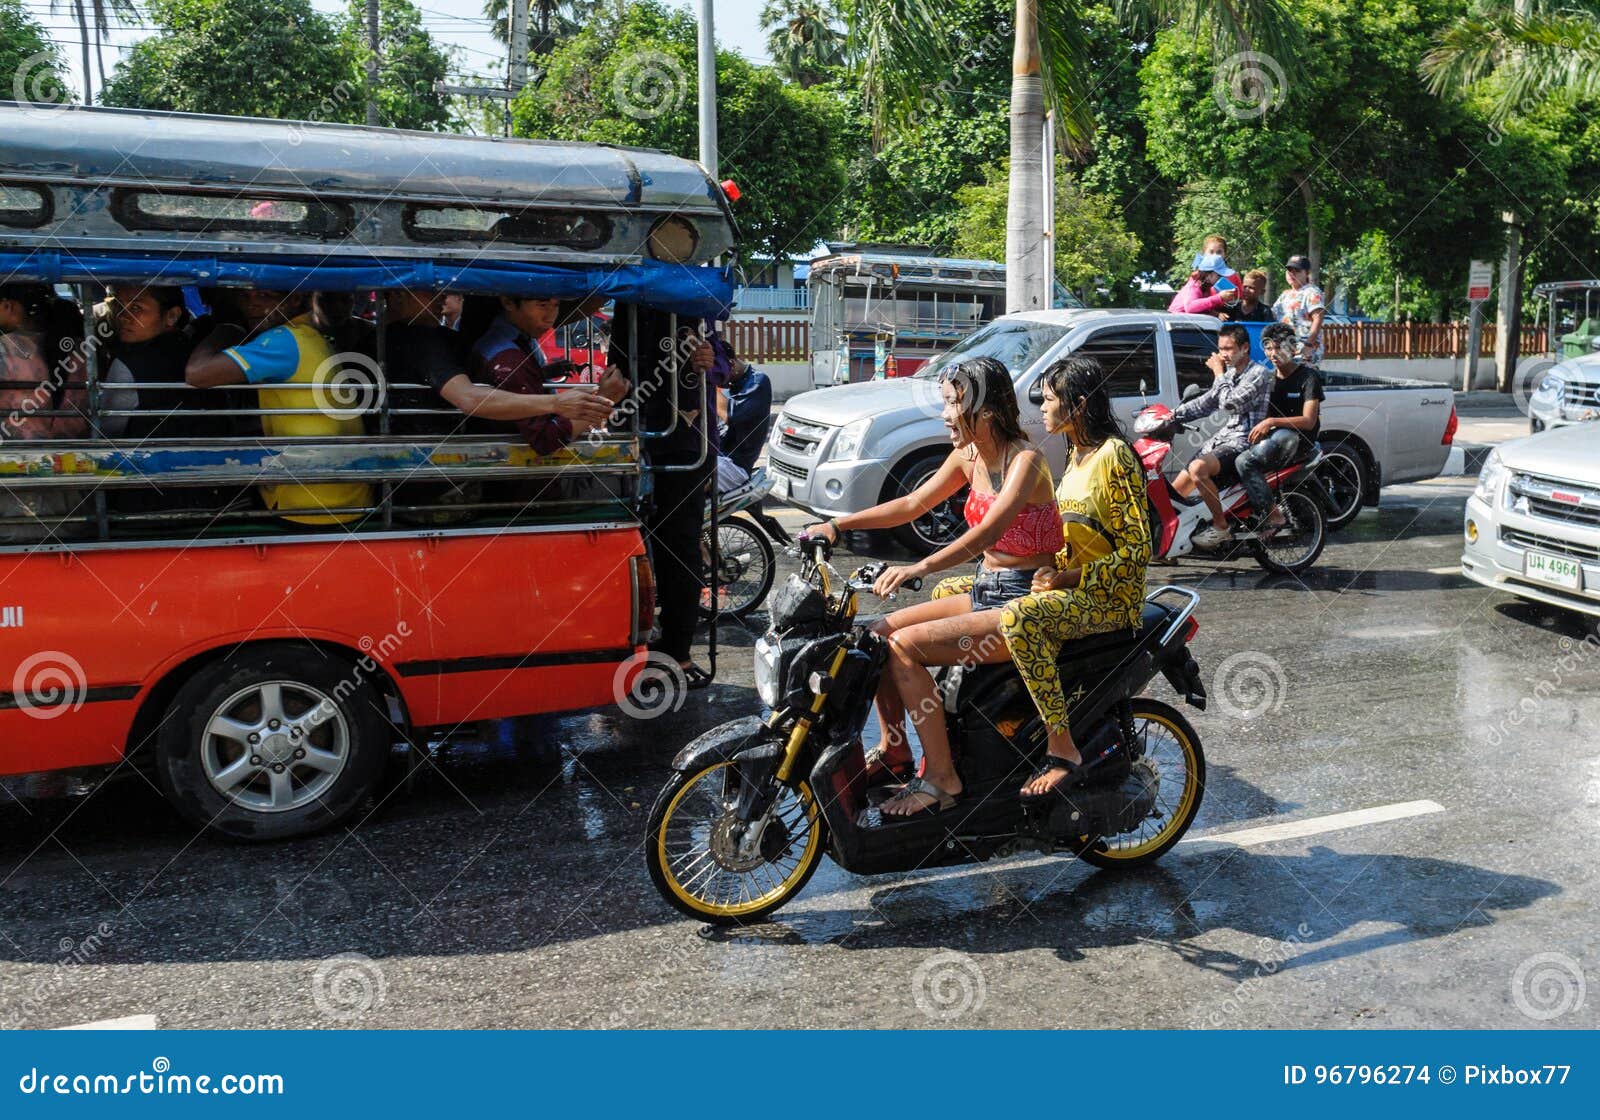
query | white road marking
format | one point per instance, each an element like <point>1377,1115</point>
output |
<point>127,1023</point>
<point>1315,826</point>
<point>1451,570</point>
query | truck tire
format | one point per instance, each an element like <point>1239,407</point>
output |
<point>277,740</point>
<point>1346,475</point>
<point>933,530</point>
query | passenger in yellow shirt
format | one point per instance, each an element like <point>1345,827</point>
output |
<point>279,346</point>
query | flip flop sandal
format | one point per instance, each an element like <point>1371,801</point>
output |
<point>1077,774</point>
<point>695,678</point>
<point>877,759</point>
<point>941,801</point>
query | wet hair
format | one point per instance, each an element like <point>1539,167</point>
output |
<point>984,385</point>
<point>1215,239</point>
<point>1235,332</point>
<point>1257,274</point>
<point>1075,379</point>
<point>1279,333</point>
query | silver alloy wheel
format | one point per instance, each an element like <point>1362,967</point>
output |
<point>275,746</point>
<point>1342,476</point>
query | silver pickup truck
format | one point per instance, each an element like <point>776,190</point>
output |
<point>844,448</point>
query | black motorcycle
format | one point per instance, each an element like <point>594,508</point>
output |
<point>752,805</point>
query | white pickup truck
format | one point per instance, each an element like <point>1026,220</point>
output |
<point>841,449</point>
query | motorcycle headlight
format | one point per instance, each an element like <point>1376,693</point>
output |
<point>851,439</point>
<point>768,661</point>
<point>1490,478</point>
<point>1550,387</point>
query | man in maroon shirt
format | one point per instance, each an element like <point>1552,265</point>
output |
<point>507,356</point>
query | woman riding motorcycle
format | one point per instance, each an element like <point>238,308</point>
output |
<point>1012,524</point>
<point>1096,584</point>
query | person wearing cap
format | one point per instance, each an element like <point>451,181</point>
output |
<point>1302,307</point>
<point>1199,296</point>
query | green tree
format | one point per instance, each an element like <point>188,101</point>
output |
<point>907,47</point>
<point>804,38</point>
<point>1095,253</point>
<point>29,55</point>
<point>410,62</point>
<point>549,21</point>
<point>630,79</point>
<point>281,59</point>
<point>94,19</point>
<point>1533,55</point>
<point>1311,159</point>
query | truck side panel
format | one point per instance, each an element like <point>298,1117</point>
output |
<point>469,626</point>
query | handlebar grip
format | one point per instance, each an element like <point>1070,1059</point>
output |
<point>914,584</point>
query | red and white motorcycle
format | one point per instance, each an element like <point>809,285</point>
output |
<point>1174,519</point>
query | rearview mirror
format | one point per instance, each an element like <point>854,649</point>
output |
<point>1192,391</point>
<point>1036,393</point>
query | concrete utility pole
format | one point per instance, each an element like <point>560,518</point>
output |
<point>518,34</point>
<point>708,88</point>
<point>1508,316</point>
<point>373,40</point>
<point>1028,253</point>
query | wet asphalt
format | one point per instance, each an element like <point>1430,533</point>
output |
<point>505,887</point>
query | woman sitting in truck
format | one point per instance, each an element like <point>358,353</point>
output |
<point>40,399</point>
<point>1012,525</point>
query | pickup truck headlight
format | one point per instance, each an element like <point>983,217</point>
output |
<point>1490,478</point>
<point>850,440</point>
<point>1550,387</point>
<point>768,659</point>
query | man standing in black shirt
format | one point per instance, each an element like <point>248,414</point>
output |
<point>1290,429</point>
<point>749,418</point>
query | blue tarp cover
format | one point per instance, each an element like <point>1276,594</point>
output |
<point>700,291</point>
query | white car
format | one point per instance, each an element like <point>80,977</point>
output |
<point>1567,393</point>
<point>1533,522</point>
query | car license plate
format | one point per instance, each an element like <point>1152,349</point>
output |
<point>1557,570</point>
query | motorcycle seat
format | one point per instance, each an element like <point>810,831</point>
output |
<point>1151,619</point>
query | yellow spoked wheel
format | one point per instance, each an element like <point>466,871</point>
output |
<point>710,865</point>
<point>1172,749</point>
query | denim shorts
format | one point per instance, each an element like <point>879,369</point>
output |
<point>993,588</point>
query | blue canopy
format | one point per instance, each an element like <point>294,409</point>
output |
<point>699,291</point>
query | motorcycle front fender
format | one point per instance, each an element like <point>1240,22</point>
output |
<point>722,744</point>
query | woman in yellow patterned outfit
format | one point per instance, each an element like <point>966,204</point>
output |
<point>1097,583</point>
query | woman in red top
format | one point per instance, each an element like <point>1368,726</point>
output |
<point>1013,529</point>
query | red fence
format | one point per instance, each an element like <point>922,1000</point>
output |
<point>789,340</point>
<point>771,340</point>
<point>1415,340</point>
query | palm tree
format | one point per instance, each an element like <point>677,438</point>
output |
<point>1534,54</point>
<point>94,19</point>
<point>907,54</point>
<point>553,20</point>
<point>803,38</point>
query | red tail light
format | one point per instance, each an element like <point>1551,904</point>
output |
<point>644,600</point>
<point>1190,629</point>
<point>1450,428</point>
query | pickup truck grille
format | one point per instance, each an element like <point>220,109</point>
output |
<point>776,464</point>
<point>1580,394</point>
<point>1556,501</point>
<point>1519,539</point>
<point>800,436</point>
